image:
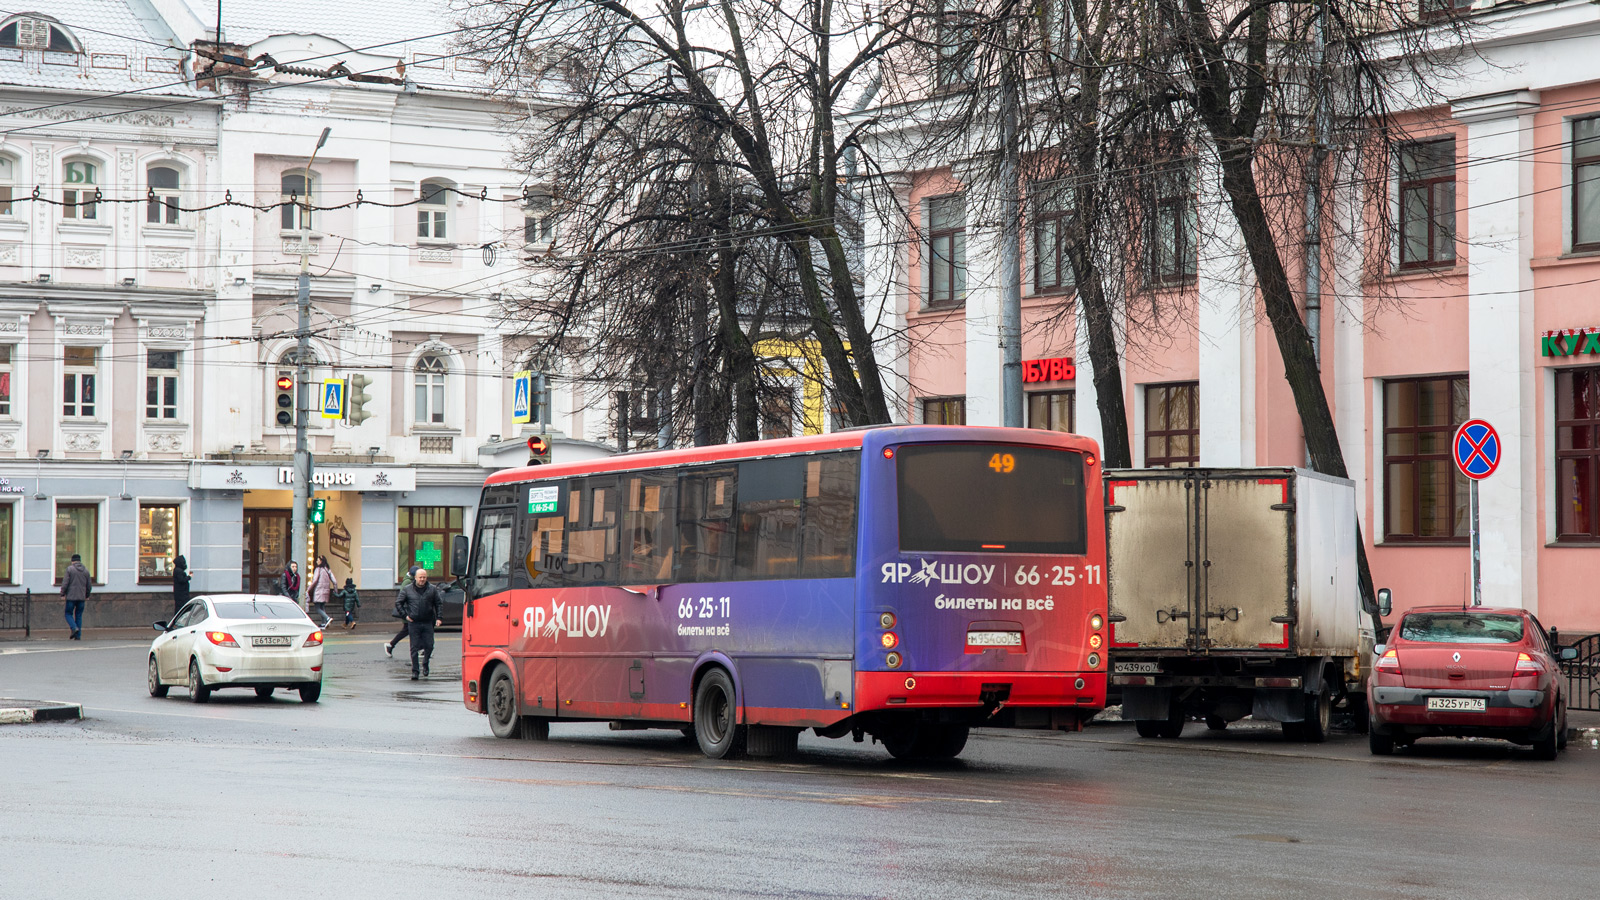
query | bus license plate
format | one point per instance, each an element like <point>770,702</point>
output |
<point>1459,704</point>
<point>994,638</point>
<point>269,642</point>
<point>1136,668</point>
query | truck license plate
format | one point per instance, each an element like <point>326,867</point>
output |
<point>1136,668</point>
<point>1459,704</point>
<point>994,638</point>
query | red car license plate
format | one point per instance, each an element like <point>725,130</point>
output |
<point>1458,704</point>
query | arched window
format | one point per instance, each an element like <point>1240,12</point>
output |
<point>299,194</point>
<point>162,208</point>
<point>433,210</point>
<point>430,376</point>
<point>80,179</point>
<point>8,183</point>
<point>37,33</point>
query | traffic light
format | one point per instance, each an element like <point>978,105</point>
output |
<point>356,400</point>
<point>285,400</point>
<point>538,450</point>
<point>319,511</point>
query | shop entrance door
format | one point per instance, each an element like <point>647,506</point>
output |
<point>266,549</point>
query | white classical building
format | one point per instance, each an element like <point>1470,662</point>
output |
<point>144,323</point>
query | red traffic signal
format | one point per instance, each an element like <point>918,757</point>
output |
<point>538,444</point>
<point>285,382</point>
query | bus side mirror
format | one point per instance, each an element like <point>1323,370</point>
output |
<point>458,554</point>
<point>1385,602</point>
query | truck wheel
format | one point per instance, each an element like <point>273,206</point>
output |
<point>1216,723</point>
<point>1318,712</point>
<point>1170,727</point>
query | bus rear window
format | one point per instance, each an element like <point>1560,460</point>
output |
<point>990,498</point>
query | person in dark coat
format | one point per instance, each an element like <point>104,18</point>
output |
<point>424,608</point>
<point>76,585</point>
<point>291,580</point>
<point>389,645</point>
<point>180,584</point>
<point>351,598</point>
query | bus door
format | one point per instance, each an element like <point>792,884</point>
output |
<point>490,622</point>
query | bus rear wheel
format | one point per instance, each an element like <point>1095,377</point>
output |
<point>501,704</point>
<point>925,740</point>
<point>716,716</point>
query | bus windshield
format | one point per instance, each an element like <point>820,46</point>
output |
<point>991,498</point>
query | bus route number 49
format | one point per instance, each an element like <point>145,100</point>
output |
<point>703,607</point>
<point>1002,463</point>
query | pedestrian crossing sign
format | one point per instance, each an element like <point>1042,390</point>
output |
<point>333,399</point>
<point>521,397</point>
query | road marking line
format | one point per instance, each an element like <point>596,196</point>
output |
<point>12,651</point>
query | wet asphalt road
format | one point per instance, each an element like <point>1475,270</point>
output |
<point>392,789</point>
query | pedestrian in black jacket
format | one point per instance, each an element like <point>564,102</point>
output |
<point>76,586</point>
<point>399,613</point>
<point>180,584</point>
<point>424,609</point>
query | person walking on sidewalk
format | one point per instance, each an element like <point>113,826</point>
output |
<point>180,584</point>
<point>351,598</point>
<point>424,607</point>
<point>76,586</point>
<point>400,613</point>
<point>320,589</point>
<point>291,580</point>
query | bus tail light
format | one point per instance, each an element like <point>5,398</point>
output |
<point>314,640</point>
<point>886,620</point>
<point>1095,641</point>
<point>890,640</point>
<point>222,639</point>
<point>888,453</point>
<point>1095,621</point>
<point>892,660</point>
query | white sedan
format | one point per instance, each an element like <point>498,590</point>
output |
<point>237,640</point>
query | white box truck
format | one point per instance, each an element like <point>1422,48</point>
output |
<point>1233,593</point>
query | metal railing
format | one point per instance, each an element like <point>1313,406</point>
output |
<point>16,611</point>
<point>1583,674</point>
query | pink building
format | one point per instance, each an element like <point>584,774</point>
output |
<point>1499,320</point>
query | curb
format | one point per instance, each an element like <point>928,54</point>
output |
<point>25,712</point>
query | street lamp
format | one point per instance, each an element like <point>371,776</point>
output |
<point>302,454</point>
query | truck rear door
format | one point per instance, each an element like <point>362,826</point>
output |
<point>1150,544</point>
<point>1245,588</point>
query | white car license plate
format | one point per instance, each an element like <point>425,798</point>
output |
<point>1137,668</point>
<point>994,639</point>
<point>269,641</point>
<point>1459,704</point>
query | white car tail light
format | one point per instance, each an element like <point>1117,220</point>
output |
<point>222,639</point>
<point>313,640</point>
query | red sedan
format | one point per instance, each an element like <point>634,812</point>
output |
<point>1468,672</point>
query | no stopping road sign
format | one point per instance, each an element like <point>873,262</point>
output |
<point>1476,449</point>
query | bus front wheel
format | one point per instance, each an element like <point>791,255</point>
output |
<point>501,704</point>
<point>716,716</point>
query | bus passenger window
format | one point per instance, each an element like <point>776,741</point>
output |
<point>771,492</point>
<point>647,539</point>
<point>829,536</point>
<point>547,559</point>
<point>705,542</point>
<point>491,566</point>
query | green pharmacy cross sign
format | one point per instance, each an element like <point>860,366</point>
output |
<point>428,555</point>
<point>1570,342</point>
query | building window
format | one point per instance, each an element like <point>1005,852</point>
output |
<point>162,207</point>
<point>1432,10</point>
<point>78,381</point>
<point>1171,228</point>
<point>161,384</point>
<point>1427,204</point>
<point>947,251</point>
<point>430,375</point>
<point>7,513</point>
<point>1052,410</point>
<point>426,533</point>
<point>777,414</point>
<point>5,378</point>
<point>1052,270</point>
<point>81,178</point>
<point>78,531</point>
<point>8,183</point>
<point>638,419</point>
<point>298,196</point>
<point>1172,425</point>
<point>1586,184</point>
<point>158,540</point>
<point>957,39</point>
<point>944,411</point>
<point>433,210</point>
<point>538,220</point>
<point>32,33</point>
<point>1578,454</point>
<point>1425,498</point>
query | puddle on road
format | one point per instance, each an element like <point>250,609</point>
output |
<point>1269,838</point>
<point>420,697</point>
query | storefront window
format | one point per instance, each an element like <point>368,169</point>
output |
<point>426,533</point>
<point>1578,455</point>
<point>1172,425</point>
<point>5,379</point>
<point>78,531</point>
<point>158,541</point>
<point>1425,497</point>
<point>1051,410</point>
<point>7,513</point>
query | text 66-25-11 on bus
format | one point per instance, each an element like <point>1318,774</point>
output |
<point>907,583</point>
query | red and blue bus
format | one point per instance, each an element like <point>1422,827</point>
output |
<point>903,582</point>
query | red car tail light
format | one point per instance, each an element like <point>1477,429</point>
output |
<point>315,640</point>
<point>1389,662</point>
<point>222,639</point>
<point>1527,666</point>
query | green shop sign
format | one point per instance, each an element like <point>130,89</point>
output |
<point>1570,342</point>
